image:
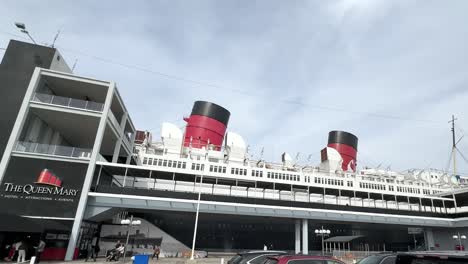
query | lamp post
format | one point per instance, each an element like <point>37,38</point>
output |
<point>129,222</point>
<point>22,28</point>
<point>197,213</point>
<point>322,233</point>
<point>459,238</point>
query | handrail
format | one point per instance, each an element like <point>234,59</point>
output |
<point>67,102</point>
<point>252,192</point>
<point>54,150</point>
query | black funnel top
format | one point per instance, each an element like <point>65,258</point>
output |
<point>211,110</point>
<point>342,137</point>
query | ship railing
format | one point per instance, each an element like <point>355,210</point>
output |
<point>261,193</point>
<point>67,102</point>
<point>54,150</point>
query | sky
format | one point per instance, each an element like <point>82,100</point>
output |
<point>390,72</point>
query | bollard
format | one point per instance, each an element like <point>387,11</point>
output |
<point>222,260</point>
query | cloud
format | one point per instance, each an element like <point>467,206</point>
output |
<point>289,72</point>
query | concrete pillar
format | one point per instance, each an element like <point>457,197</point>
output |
<point>305,236</point>
<point>429,239</point>
<point>298,236</point>
<point>74,235</point>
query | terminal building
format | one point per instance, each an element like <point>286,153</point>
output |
<point>73,166</point>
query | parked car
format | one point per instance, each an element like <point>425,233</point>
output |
<point>254,257</point>
<point>432,257</point>
<point>379,259</point>
<point>302,259</point>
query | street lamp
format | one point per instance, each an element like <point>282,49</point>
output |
<point>459,238</point>
<point>322,233</point>
<point>192,257</point>
<point>129,222</point>
<point>22,28</point>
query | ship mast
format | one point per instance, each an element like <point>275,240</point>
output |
<point>454,146</point>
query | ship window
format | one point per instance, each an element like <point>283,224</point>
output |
<point>150,161</point>
<point>211,168</point>
<point>145,160</point>
<point>165,163</point>
<point>179,164</point>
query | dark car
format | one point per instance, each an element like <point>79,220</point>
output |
<point>432,257</point>
<point>302,259</point>
<point>379,259</point>
<point>254,257</point>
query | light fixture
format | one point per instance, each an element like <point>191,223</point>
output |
<point>22,28</point>
<point>463,237</point>
<point>328,231</point>
<point>316,231</point>
<point>20,25</point>
<point>455,237</point>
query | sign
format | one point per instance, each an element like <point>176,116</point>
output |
<point>39,187</point>
<point>415,230</point>
<point>47,184</point>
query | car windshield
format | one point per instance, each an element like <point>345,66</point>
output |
<point>371,260</point>
<point>271,261</point>
<point>235,260</point>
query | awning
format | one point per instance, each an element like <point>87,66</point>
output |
<point>16,223</point>
<point>341,239</point>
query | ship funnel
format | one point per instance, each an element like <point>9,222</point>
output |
<point>346,144</point>
<point>206,125</point>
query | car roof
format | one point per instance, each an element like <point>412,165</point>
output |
<point>436,253</point>
<point>291,257</point>
<point>259,252</point>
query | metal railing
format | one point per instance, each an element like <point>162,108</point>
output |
<point>67,102</point>
<point>54,150</point>
<point>260,193</point>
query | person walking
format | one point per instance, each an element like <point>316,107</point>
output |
<point>16,246</point>
<point>92,253</point>
<point>39,249</point>
<point>157,251</point>
<point>21,252</point>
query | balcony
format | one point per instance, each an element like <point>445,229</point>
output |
<point>67,102</point>
<point>54,150</point>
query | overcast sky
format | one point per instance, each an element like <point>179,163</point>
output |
<point>391,72</point>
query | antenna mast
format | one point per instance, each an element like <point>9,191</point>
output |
<point>454,145</point>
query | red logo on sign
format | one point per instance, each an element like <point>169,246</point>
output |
<point>48,178</point>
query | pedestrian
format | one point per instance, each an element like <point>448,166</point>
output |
<point>39,249</point>
<point>157,251</point>
<point>118,244</point>
<point>16,246</point>
<point>91,250</point>
<point>21,252</point>
<point>96,251</point>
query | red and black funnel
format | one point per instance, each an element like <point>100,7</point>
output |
<point>346,144</point>
<point>207,123</point>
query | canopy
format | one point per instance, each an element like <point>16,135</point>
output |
<point>341,239</point>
